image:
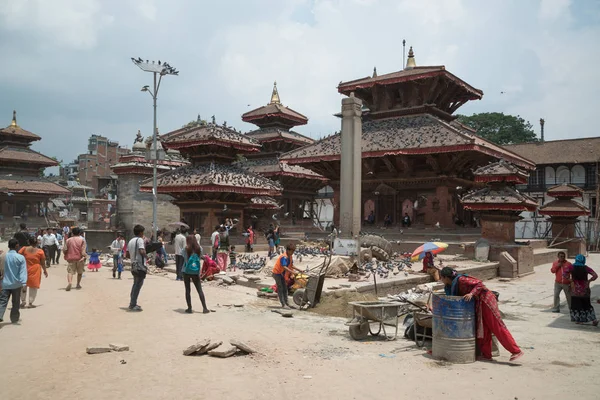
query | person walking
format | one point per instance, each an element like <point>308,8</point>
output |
<point>49,246</point>
<point>223,248</point>
<point>214,241</point>
<point>270,235</point>
<point>116,247</point>
<point>198,237</point>
<point>582,310</point>
<point>75,255</point>
<point>23,235</point>
<point>59,245</point>
<point>191,272</point>
<point>179,243</point>
<point>561,284</point>
<point>15,276</point>
<point>138,265</point>
<point>284,262</point>
<point>36,261</point>
<point>488,319</point>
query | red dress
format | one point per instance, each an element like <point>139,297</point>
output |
<point>488,317</point>
<point>209,268</point>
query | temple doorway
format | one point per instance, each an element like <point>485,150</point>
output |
<point>408,208</point>
<point>368,208</point>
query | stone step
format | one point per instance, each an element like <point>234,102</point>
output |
<point>534,243</point>
<point>545,255</point>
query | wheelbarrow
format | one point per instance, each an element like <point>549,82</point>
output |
<point>310,295</point>
<point>381,313</point>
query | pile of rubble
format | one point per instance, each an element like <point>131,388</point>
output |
<point>211,348</point>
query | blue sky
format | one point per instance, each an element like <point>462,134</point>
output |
<point>67,68</point>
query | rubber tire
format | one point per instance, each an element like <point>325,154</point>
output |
<point>373,241</point>
<point>380,254</point>
<point>298,297</point>
<point>359,332</point>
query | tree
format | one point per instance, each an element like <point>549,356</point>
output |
<point>500,128</point>
<point>192,124</point>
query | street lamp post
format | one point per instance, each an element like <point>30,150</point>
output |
<point>160,69</point>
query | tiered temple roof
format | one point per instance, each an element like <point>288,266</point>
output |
<point>407,125</point>
<point>564,205</point>
<point>499,195</point>
<point>20,166</point>
<point>410,135</point>
<point>214,178</point>
<point>274,114</point>
<point>272,167</point>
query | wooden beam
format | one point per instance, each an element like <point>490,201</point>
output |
<point>390,166</point>
<point>433,163</point>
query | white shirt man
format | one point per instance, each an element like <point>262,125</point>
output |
<point>180,244</point>
<point>48,240</point>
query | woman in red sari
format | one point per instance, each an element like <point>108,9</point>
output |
<point>489,320</point>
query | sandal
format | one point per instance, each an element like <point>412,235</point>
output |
<point>516,356</point>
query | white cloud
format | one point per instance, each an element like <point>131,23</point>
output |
<point>72,23</point>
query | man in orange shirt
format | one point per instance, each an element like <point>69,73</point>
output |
<point>284,262</point>
<point>560,283</point>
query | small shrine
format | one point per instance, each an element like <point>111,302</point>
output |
<point>499,206</point>
<point>564,212</point>
<point>499,203</point>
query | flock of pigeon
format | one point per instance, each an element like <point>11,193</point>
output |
<point>220,175</point>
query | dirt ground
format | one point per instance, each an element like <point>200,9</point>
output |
<point>308,356</point>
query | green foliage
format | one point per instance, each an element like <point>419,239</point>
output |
<point>500,128</point>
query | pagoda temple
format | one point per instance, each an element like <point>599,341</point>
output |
<point>24,193</point>
<point>499,203</point>
<point>275,134</point>
<point>211,189</point>
<point>564,212</point>
<point>416,157</point>
<point>134,206</point>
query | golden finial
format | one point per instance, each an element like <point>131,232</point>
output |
<point>275,95</point>
<point>410,63</point>
<point>14,120</point>
<point>374,72</point>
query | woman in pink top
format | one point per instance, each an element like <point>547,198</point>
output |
<point>581,308</point>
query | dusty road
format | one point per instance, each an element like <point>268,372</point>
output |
<point>307,356</point>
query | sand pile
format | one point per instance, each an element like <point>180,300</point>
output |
<point>335,304</point>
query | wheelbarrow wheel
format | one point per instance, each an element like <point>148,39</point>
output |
<point>359,332</point>
<point>299,297</point>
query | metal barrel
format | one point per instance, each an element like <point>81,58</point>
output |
<point>453,329</point>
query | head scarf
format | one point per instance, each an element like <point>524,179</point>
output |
<point>579,268</point>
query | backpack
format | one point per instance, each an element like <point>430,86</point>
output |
<point>192,266</point>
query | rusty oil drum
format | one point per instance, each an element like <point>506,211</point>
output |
<point>453,329</point>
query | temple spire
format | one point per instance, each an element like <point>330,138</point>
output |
<point>374,72</point>
<point>410,63</point>
<point>14,120</point>
<point>275,95</point>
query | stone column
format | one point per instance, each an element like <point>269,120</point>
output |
<point>350,168</point>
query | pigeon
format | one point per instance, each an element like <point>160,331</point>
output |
<point>224,207</point>
<point>437,225</point>
<point>274,217</point>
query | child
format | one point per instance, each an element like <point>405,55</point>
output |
<point>94,264</point>
<point>233,258</point>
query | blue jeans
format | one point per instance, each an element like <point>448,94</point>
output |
<point>5,295</point>
<point>138,282</point>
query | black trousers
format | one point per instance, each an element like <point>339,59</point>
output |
<point>187,278</point>
<point>138,282</point>
<point>178,265</point>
